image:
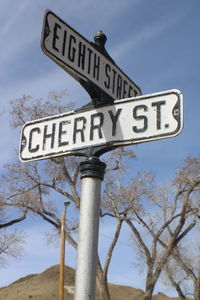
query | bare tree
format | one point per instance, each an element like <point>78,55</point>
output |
<point>34,186</point>
<point>11,241</point>
<point>158,219</point>
<point>174,276</point>
<point>186,263</point>
<point>11,245</point>
<point>191,267</point>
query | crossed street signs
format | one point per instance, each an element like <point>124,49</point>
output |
<point>93,131</point>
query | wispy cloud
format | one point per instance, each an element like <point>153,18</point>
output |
<point>11,22</point>
<point>148,32</point>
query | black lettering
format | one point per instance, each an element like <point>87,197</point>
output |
<point>49,135</point>
<point>61,132</point>
<point>125,83</point>
<point>98,126</point>
<point>140,117</point>
<point>64,43</point>
<point>30,146</point>
<point>81,55</point>
<point>119,87</point>
<point>114,119</point>
<point>55,36</point>
<point>114,76</point>
<point>107,71</point>
<point>79,130</point>
<point>96,67</point>
<point>130,91</point>
<point>135,92</point>
<point>72,50</point>
<point>158,114</point>
<point>89,59</point>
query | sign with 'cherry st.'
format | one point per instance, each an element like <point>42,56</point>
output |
<point>83,60</point>
<point>126,122</point>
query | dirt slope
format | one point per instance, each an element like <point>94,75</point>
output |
<point>45,285</point>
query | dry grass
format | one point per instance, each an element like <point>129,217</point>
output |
<point>45,285</point>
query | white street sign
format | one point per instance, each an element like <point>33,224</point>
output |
<point>82,60</point>
<point>126,122</point>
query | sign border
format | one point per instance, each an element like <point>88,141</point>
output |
<point>108,146</point>
<point>71,70</point>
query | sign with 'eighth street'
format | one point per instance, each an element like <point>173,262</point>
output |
<point>82,60</point>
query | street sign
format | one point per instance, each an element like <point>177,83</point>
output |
<point>126,122</point>
<point>82,60</point>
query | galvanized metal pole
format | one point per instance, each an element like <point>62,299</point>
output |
<point>92,173</point>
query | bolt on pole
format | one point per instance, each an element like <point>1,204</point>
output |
<point>92,173</point>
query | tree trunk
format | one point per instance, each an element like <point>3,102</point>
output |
<point>102,274</point>
<point>179,292</point>
<point>102,283</point>
<point>196,294</point>
<point>177,287</point>
<point>149,293</point>
<point>150,283</point>
<point>196,291</point>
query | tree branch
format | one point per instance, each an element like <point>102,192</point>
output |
<point>10,223</point>
<point>75,196</point>
<point>139,239</point>
<point>111,248</point>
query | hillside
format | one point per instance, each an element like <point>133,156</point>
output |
<point>45,286</point>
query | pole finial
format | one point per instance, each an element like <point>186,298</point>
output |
<point>100,39</point>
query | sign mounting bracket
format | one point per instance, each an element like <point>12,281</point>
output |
<point>97,95</point>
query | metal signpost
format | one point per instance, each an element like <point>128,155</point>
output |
<point>101,126</point>
<point>92,173</point>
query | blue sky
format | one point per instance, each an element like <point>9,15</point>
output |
<point>156,43</point>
